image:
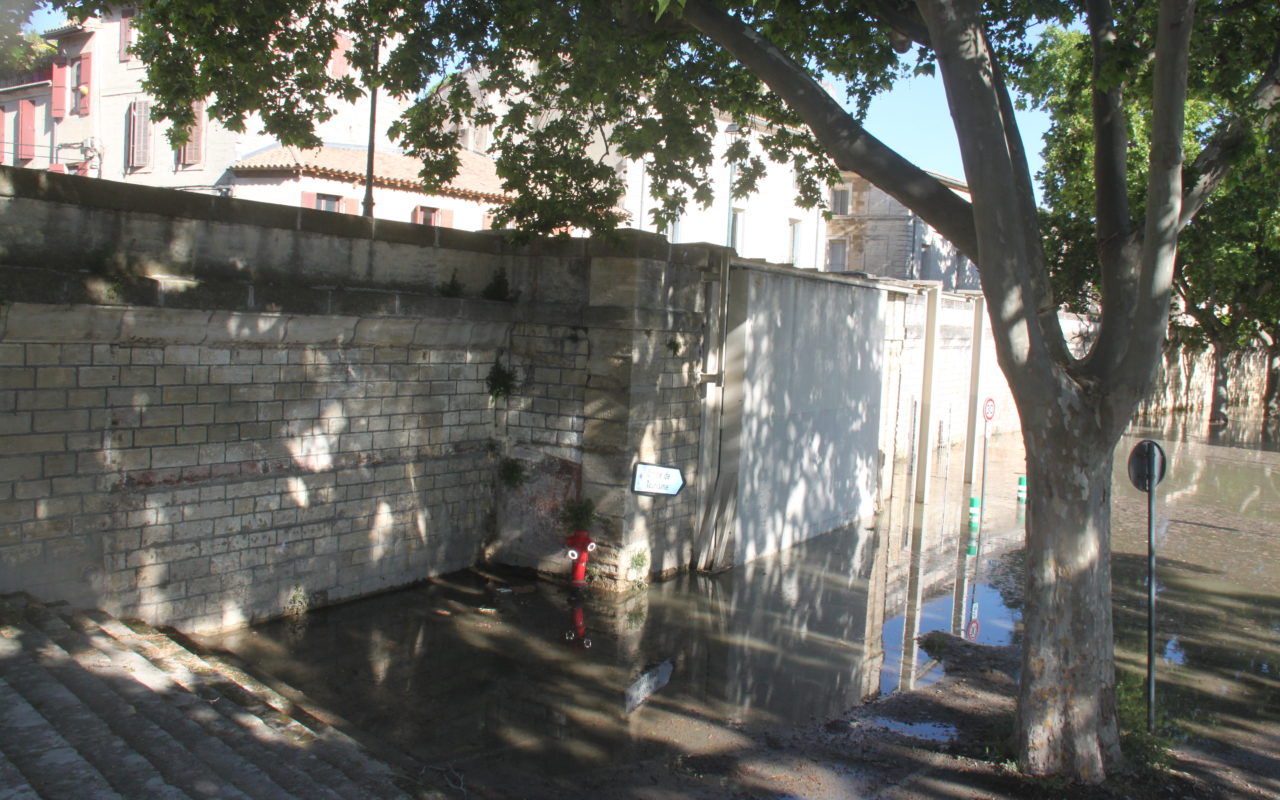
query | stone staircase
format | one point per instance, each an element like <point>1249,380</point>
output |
<point>92,707</point>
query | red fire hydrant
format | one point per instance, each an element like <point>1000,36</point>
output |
<point>579,543</point>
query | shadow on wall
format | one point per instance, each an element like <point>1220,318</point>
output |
<point>812,388</point>
<point>240,466</point>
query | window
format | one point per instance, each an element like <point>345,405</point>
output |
<point>328,202</point>
<point>735,229</point>
<point>139,134</point>
<point>837,255</point>
<point>441,217</point>
<point>81,76</point>
<point>794,254</point>
<point>126,34</point>
<point>26,141</point>
<point>840,200</point>
<point>190,153</point>
<point>58,95</point>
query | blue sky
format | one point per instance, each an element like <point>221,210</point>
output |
<point>914,120</point>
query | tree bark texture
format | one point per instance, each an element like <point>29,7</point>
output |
<point>1066,706</point>
<point>1271,397</point>
<point>1221,377</point>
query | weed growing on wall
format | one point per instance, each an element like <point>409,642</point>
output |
<point>451,287</point>
<point>500,380</point>
<point>511,473</point>
<point>498,288</point>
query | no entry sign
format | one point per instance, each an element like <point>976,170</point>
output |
<point>989,409</point>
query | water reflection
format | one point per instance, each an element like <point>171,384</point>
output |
<point>497,670</point>
<point>477,665</point>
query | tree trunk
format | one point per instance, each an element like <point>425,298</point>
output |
<point>1218,402</point>
<point>1067,707</point>
<point>1271,397</point>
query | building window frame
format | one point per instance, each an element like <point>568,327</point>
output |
<point>837,245</point>
<point>840,200</point>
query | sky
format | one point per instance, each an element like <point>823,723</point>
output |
<point>913,119</point>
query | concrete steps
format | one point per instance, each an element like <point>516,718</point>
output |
<point>91,707</point>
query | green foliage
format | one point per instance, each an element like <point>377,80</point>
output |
<point>584,85</point>
<point>298,603</point>
<point>578,515</point>
<point>451,287</point>
<point>511,473</point>
<point>674,346</point>
<point>1144,750</point>
<point>500,381</point>
<point>498,288</point>
<point>23,53</point>
<point>1229,258</point>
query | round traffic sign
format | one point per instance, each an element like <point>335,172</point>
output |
<point>974,627</point>
<point>989,409</point>
<point>1146,456</point>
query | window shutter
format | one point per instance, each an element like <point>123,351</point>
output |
<point>192,150</point>
<point>139,133</point>
<point>444,218</point>
<point>58,95</point>
<point>339,66</point>
<point>86,81</point>
<point>486,222</point>
<point>4,129</point>
<point>26,130</point>
<point>58,168</point>
<point>350,205</point>
<point>309,200</point>
<point>83,168</point>
<point>126,33</point>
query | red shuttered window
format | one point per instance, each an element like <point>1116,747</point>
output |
<point>190,154</point>
<point>26,130</point>
<point>139,134</point>
<point>58,92</point>
<point>126,33</point>
<point>83,73</point>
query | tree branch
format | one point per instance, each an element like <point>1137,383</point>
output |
<point>848,143</point>
<point>1118,261</point>
<point>1214,161</point>
<point>1005,222</point>
<point>1045,306</point>
<point>1148,325</point>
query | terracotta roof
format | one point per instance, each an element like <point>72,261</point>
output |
<point>477,177</point>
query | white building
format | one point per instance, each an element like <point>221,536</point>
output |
<point>766,225</point>
<point>87,114</point>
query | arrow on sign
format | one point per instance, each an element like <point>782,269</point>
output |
<point>657,479</point>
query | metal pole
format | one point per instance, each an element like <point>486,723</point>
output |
<point>373,121</point>
<point>1151,589</point>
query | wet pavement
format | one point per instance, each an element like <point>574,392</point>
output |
<point>496,669</point>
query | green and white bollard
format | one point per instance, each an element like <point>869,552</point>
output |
<point>975,519</point>
<point>1022,490</point>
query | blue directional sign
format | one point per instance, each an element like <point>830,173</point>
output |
<point>656,479</point>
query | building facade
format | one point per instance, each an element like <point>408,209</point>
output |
<point>870,232</point>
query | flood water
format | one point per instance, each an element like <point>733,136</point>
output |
<point>504,670</point>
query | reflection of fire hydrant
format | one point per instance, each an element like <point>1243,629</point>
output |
<point>578,633</point>
<point>579,543</point>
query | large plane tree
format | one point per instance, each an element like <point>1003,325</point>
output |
<point>654,79</point>
<point>1228,268</point>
